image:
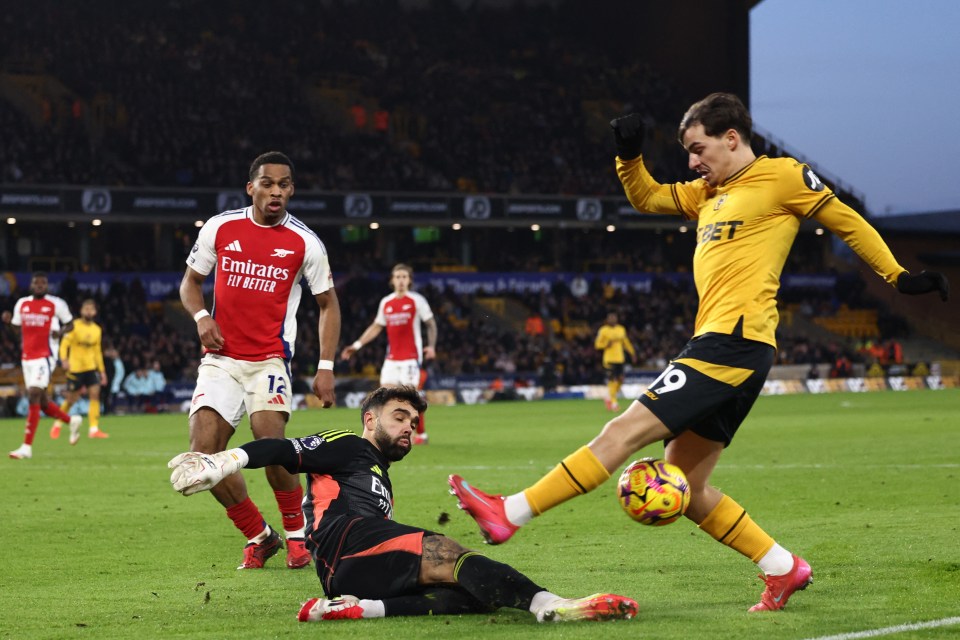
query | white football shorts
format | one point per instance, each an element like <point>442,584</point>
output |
<point>231,387</point>
<point>37,372</point>
<point>397,372</point>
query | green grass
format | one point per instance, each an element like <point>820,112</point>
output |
<point>864,486</point>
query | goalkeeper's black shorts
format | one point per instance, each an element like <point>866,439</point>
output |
<point>375,558</point>
<point>710,386</point>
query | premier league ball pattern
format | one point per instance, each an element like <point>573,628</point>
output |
<point>653,492</point>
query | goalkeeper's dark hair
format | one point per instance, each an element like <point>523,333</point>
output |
<point>270,157</point>
<point>377,399</point>
<point>718,113</point>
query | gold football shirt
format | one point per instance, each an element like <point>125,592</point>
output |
<point>81,347</point>
<point>613,340</point>
<point>745,228</point>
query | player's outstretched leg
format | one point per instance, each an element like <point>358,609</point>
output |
<point>339,608</point>
<point>487,510</point>
<point>598,607</point>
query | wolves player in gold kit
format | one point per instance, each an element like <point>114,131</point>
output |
<point>748,211</point>
<point>612,339</point>
<point>82,355</point>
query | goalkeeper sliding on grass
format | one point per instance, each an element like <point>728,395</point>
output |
<point>748,212</point>
<point>389,569</point>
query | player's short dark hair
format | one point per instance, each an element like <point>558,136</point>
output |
<point>88,301</point>
<point>270,157</point>
<point>718,112</point>
<point>378,398</point>
<point>38,274</point>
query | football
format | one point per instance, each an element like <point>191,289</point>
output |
<point>653,491</point>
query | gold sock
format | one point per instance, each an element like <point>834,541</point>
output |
<point>612,388</point>
<point>579,473</point>
<point>730,524</point>
<point>94,414</point>
<point>65,406</point>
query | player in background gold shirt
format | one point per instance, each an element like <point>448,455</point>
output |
<point>613,341</point>
<point>82,357</point>
<point>748,211</point>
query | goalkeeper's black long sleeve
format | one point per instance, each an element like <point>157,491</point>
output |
<point>269,451</point>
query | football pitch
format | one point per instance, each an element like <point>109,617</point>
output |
<point>864,486</point>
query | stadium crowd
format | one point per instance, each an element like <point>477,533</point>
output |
<point>157,336</point>
<point>384,99</point>
<point>362,98</point>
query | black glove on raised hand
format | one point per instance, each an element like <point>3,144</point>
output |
<point>924,282</point>
<point>628,134</point>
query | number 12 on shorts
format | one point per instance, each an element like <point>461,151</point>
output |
<point>278,384</point>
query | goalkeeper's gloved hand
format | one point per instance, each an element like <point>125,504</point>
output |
<point>924,282</point>
<point>193,471</point>
<point>628,134</point>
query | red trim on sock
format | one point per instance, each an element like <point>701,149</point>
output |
<point>290,505</point>
<point>54,411</point>
<point>33,419</point>
<point>246,517</point>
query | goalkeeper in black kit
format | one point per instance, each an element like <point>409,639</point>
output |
<point>387,568</point>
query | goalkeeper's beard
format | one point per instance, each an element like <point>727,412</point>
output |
<point>390,447</point>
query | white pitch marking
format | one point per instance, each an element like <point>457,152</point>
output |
<point>886,631</point>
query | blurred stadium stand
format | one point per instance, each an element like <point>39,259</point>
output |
<point>416,116</point>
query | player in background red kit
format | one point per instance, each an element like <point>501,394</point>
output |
<point>402,312</point>
<point>259,255</point>
<point>38,316</point>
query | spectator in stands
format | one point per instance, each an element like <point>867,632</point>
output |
<point>115,376</point>
<point>139,389</point>
<point>534,325</point>
<point>842,367</point>
<point>158,387</point>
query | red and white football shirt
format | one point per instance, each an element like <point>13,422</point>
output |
<point>257,287</point>
<point>35,317</point>
<point>402,316</point>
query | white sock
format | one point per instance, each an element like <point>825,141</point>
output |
<point>94,429</point>
<point>260,537</point>
<point>294,534</point>
<point>542,599</point>
<point>518,509</point>
<point>372,608</point>
<point>776,562</point>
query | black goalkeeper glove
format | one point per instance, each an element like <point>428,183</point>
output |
<point>924,282</point>
<point>628,134</point>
